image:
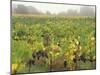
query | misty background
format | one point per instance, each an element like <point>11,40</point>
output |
<point>52,9</point>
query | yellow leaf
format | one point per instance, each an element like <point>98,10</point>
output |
<point>72,57</point>
<point>92,38</point>
<point>94,57</point>
<point>14,67</point>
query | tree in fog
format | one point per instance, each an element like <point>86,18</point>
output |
<point>62,13</point>
<point>72,12</point>
<point>87,11</point>
<point>48,13</point>
<point>14,6</point>
<point>33,10</point>
<point>21,9</point>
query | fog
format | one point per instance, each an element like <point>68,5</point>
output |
<point>50,9</point>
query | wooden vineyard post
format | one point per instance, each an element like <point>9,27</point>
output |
<point>50,66</point>
<point>77,56</point>
<point>46,43</point>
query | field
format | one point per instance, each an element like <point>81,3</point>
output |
<point>52,43</point>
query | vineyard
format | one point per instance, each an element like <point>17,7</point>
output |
<point>53,43</point>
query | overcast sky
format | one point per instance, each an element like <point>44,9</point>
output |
<point>53,8</point>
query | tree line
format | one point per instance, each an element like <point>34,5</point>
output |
<point>84,11</point>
